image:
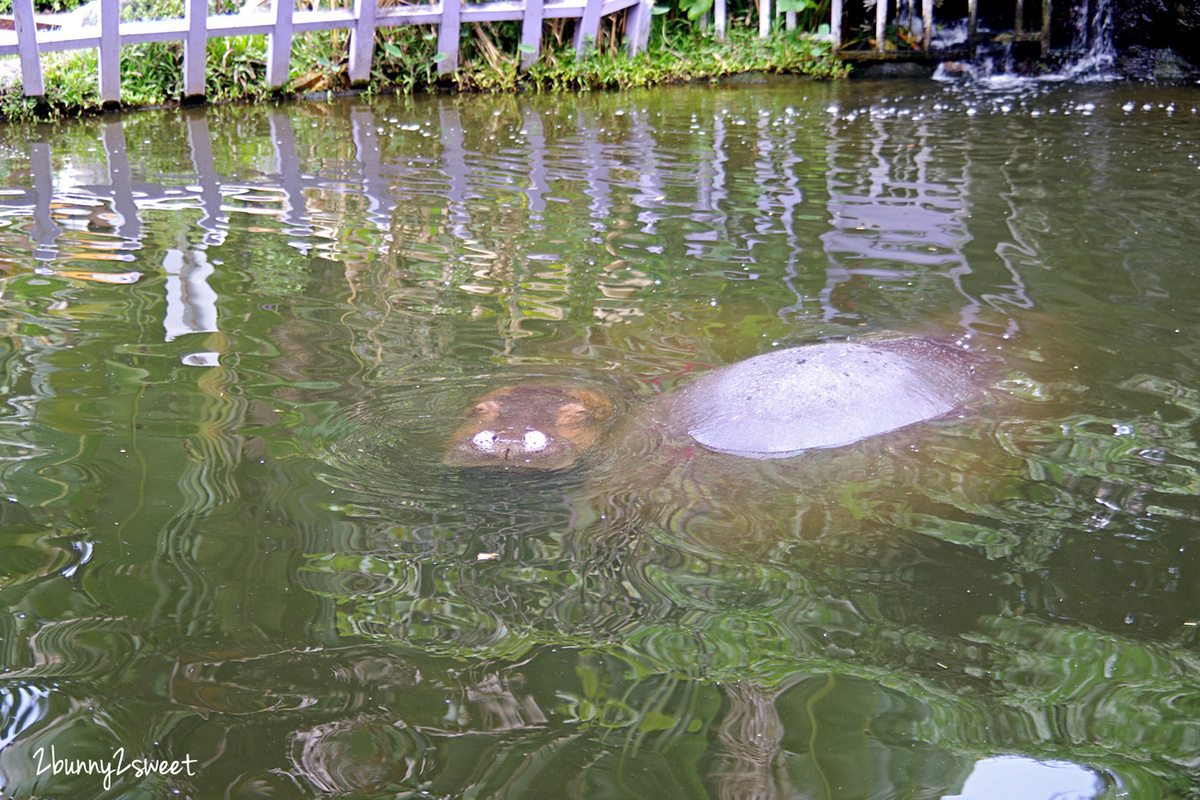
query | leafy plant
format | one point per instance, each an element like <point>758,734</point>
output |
<point>45,6</point>
<point>236,67</point>
<point>688,58</point>
<point>695,9</point>
<point>405,57</point>
<point>151,74</point>
<point>71,80</point>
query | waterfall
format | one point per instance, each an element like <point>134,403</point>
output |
<point>1093,39</point>
<point>1090,56</point>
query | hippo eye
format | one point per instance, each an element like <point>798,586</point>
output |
<point>485,441</point>
<point>535,441</point>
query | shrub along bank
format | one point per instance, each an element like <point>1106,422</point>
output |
<point>405,61</point>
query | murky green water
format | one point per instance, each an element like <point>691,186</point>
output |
<point>235,342</point>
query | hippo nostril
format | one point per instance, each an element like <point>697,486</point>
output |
<point>535,441</point>
<point>485,441</point>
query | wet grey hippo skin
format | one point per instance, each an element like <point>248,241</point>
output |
<point>824,395</point>
<point>771,406</point>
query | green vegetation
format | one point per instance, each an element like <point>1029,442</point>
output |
<point>405,60</point>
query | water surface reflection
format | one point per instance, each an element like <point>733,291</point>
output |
<point>235,341</point>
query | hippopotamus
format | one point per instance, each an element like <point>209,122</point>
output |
<point>530,426</point>
<point>775,405</point>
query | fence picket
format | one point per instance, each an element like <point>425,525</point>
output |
<point>362,41</point>
<point>637,26</point>
<point>279,44</point>
<point>448,32</point>
<point>531,32</point>
<point>31,61</point>
<point>588,28</point>
<point>110,53</point>
<point>194,47</point>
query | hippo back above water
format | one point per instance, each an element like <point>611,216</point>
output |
<point>825,395</point>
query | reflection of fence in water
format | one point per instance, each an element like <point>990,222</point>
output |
<point>895,214</point>
<point>635,170</point>
<point>900,212</point>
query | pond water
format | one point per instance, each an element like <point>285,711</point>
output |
<point>236,341</point>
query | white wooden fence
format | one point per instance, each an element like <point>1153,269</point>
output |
<point>282,22</point>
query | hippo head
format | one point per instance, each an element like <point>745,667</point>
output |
<point>530,427</point>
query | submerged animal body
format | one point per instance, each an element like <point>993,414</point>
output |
<point>824,395</point>
<point>530,426</point>
<point>774,405</point>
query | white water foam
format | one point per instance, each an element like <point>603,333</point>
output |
<point>992,68</point>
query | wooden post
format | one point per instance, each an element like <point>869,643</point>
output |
<point>835,25</point>
<point>279,45</point>
<point>448,32</point>
<point>764,18</point>
<point>31,60</point>
<point>110,54</point>
<point>531,32</point>
<point>880,24</point>
<point>587,29</point>
<point>972,27</point>
<point>362,41</point>
<point>1019,21</point>
<point>1046,14</point>
<point>637,25</point>
<point>926,26</point>
<point>194,51</point>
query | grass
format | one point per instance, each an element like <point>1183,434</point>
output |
<point>687,59</point>
<point>405,60</point>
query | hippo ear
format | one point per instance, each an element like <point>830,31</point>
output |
<point>487,409</point>
<point>595,403</point>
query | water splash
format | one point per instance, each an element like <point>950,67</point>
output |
<point>1093,37</point>
<point>1091,56</point>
